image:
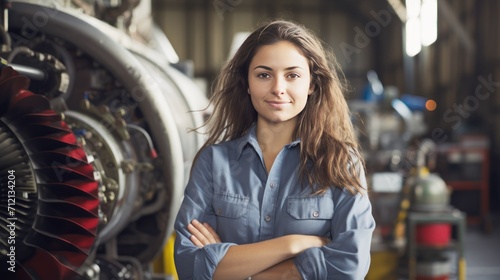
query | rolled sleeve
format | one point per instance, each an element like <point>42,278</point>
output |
<point>347,256</point>
<point>197,263</point>
<point>191,261</point>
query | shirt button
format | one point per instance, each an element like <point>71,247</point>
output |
<point>267,218</point>
<point>273,185</point>
<point>219,211</point>
<point>315,214</point>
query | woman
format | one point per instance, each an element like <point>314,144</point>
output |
<point>278,190</point>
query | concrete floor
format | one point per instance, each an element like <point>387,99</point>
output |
<point>482,251</point>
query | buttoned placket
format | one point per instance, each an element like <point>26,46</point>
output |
<point>270,197</point>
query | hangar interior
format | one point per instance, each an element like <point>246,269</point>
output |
<point>95,120</point>
<point>454,77</point>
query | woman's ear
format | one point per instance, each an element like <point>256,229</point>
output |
<point>312,88</point>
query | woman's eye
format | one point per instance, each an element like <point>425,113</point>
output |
<point>293,75</point>
<point>263,75</point>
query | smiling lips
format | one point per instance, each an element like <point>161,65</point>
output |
<point>277,104</point>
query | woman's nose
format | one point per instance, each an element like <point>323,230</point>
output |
<point>279,86</point>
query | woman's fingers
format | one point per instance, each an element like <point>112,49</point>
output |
<point>202,234</point>
<point>195,241</point>
<point>197,236</point>
<point>208,236</point>
<point>212,231</point>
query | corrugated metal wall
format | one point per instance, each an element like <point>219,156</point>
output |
<point>202,31</point>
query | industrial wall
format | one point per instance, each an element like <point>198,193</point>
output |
<point>202,31</point>
<point>460,71</point>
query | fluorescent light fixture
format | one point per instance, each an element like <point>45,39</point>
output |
<point>428,21</point>
<point>413,42</point>
<point>412,25</point>
<point>413,8</point>
<point>421,25</point>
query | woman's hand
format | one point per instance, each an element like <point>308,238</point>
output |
<point>299,243</point>
<point>202,234</point>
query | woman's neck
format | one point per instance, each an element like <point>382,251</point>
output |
<point>273,136</point>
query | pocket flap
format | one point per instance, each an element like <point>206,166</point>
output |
<point>310,207</point>
<point>230,205</point>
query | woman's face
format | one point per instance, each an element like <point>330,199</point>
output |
<point>279,82</point>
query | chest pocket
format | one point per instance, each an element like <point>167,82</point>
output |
<point>310,207</point>
<point>230,205</point>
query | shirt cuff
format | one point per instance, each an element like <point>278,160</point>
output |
<point>311,264</point>
<point>208,258</point>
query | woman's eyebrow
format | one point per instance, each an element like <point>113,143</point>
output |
<point>270,69</point>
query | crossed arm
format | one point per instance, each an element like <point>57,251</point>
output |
<point>270,259</point>
<point>200,254</point>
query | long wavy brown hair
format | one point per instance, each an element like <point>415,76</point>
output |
<point>329,150</point>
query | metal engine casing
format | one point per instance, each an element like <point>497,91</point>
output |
<point>128,113</point>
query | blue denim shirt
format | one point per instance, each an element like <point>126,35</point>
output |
<point>230,189</point>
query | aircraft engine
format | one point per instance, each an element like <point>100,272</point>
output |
<point>94,143</point>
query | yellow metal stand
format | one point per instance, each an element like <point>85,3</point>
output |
<point>165,262</point>
<point>461,269</point>
<point>383,265</point>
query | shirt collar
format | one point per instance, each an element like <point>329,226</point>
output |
<point>251,138</point>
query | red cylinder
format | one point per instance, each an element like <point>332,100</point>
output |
<point>433,234</point>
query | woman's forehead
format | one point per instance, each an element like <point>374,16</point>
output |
<point>283,53</point>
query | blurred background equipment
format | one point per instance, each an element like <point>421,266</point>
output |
<point>94,120</point>
<point>430,219</point>
<point>411,205</point>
